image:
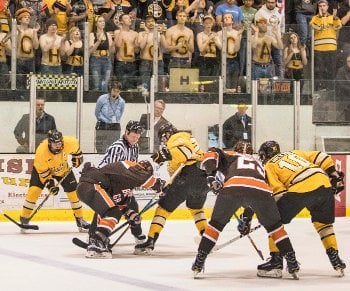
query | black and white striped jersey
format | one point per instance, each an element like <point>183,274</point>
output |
<point>120,150</point>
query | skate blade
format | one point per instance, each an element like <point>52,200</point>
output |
<point>276,273</point>
<point>96,255</point>
<point>295,275</point>
<point>143,252</point>
<point>340,272</point>
<point>198,274</point>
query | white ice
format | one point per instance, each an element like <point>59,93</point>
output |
<point>47,260</point>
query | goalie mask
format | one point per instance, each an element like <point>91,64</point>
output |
<point>166,131</point>
<point>268,149</point>
<point>55,141</point>
<point>243,147</point>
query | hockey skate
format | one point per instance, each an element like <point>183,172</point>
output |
<point>292,265</point>
<point>98,247</point>
<point>198,265</point>
<point>23,221</point>
<point>82,225</point>
<point>139,239</point>
<point>145,248</point>
<point>336,262</point>
<point>272,268</point>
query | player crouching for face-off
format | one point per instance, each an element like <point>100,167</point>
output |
<point>238,179</point>
<point>107,190</point>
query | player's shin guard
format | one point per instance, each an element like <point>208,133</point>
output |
<point>199,219</point>
<point>327,235</point>
<point>31,198</point>
<point>77,208</point>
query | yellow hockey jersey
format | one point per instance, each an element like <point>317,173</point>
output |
<point>298,171</point>
<point>184,149</point>
<point>48,164</point>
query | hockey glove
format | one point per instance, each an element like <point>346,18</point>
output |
<point>77,160</point>
<point>214,184</point>
<point>133,217</point>
<point>337,182</point>
<point>161,156</point>
<point>244,225</point>
<point>50,184</point>
<point>158,185</point>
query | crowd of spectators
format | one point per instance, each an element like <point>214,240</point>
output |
<point>50,37</point>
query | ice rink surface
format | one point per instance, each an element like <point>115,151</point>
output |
<point>47,260</point>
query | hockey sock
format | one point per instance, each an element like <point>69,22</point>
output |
<point>199,219</point>
<point>210,236</point>
<point>31,198</point>
<point>106,225</point>
<point>326,234</point>
<point>75,204</point>
<point>158,221</point>
<point>279,241</point>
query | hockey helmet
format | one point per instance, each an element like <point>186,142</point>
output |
<point>54,136</point>
<point>146,165</point>
<point>243,147</point>
<point>134,126</point>
<point>166,130</point>
<point>268,149</point>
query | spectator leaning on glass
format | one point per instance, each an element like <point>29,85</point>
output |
<point>109,110</point>
<point>44,123</point>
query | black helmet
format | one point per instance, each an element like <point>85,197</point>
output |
<point>243,147</point>
<point>166,130</point>
<point>146,165</point>
<point>134,126</point>
<point>54,136</point>
<point>268,149</point>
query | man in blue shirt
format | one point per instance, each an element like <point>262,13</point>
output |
<point>109,110</point>
<point>229,7</point>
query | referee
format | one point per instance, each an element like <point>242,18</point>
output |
<point>127,149</point>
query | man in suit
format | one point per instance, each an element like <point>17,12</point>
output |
<point>159,120</point>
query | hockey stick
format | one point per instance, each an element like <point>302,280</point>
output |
<point>78,242</point>
<point>150,203</point>
<point>32,226</point>
<point>219,247</point>
<point>250,239</point>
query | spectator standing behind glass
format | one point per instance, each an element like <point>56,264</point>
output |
<point>304,10</point>
<point>60,12</point>
<point>5,49</point>
<point>207,45</point>
<point>228,7</point>
<point>344,34</point>
<point>342,87</point>
<point>294,56</point>
<point>325,28</point>
<point>27,43</point>
<point>82,11</point>
<point>52,45</point>
<point>262,44</point>
<point>145,42</point>
<point>270,11</point>
<point>44,123</point>
<point>237,127</point>
<point>125,67</point>
<point>180,41</point>
<point>248,18</point>
<point>233,40</point>
<point>159,120</point>
<point>100,48</point>
<point>109,110</point>
<point>74,50</point>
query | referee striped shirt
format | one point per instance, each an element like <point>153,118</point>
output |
<point>120,150</point>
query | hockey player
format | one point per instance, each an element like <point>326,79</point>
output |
<point>127,149</point>
<point>189,185</point>
<point>239,180</point>
<point>50,164</point>
<point>299,179</point>
<point>107,191</point>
